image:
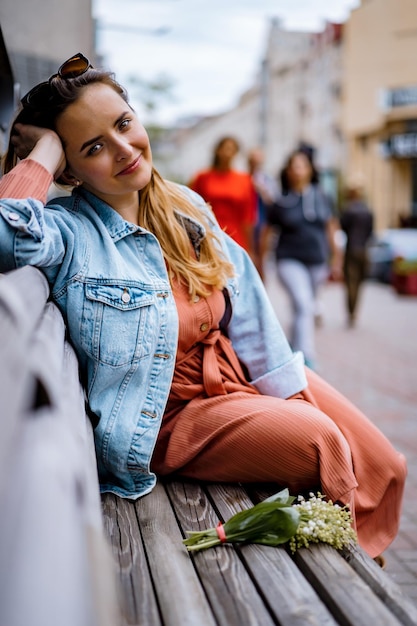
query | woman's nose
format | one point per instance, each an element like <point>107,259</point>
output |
<point>123,150</point>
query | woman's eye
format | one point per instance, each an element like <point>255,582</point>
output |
<point>124,123</point>
<point>94,149</point>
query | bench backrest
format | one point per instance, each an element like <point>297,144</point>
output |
<point>55,564</point>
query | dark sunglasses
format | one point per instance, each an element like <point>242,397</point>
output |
<point>41,95</point>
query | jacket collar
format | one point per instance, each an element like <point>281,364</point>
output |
<point>119,227</point>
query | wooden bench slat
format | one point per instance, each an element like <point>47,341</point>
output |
<point>266,564</point>
<point>51,540</point>
<point>233,597</point>
<point>384,587</point>
<point>349,598</point>
<point>276,575</point>
<point>181,599</point>
<point>137,595</point>
<point>23,295</point>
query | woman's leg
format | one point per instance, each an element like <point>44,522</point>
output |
<point>296,279</point>
<point>318,276</point>
<point>379,469</point>
<point>254,438</point>
<point>317,439</point>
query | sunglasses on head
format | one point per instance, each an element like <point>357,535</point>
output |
<point>42,94</point>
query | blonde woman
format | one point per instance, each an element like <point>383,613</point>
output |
<point>185,367</point>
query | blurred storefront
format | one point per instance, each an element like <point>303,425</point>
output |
<point>380,110</point>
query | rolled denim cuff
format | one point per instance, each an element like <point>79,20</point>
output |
<point>284,381</point>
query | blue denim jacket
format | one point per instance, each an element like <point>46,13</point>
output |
<point>108,278</point>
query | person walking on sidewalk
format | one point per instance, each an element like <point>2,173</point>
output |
<point>185,366</point>
<point>356,221</point>
<point>306,252</point>
<point>229,192</point>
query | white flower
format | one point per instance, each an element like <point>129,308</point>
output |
<point>322,521</point>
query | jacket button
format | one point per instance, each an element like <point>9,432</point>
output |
<point>126,297</point>
<point>14,217</point>
<point>204,327</point>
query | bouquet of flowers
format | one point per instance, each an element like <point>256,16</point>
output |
<point>278,520</point>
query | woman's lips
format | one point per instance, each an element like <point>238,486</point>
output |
<point>132,167</point>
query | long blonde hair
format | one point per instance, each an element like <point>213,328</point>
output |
<point>158,201</point>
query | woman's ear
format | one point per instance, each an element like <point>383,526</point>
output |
<point>68,179</point>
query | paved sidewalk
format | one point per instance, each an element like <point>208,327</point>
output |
<point>375,366</point>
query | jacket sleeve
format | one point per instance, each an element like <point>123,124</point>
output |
<point>30,233</point>
<point>254,329</point>
<point>257,335</point>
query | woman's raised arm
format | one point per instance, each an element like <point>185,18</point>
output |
<point>43,159</point>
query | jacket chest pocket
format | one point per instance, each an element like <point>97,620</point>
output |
<point>113,323</point>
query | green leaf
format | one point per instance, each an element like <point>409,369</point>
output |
<point>282,496</point>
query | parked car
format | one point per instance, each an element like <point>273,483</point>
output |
<point>386,247</point>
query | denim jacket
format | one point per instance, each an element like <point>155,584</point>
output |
<point>108,277</point>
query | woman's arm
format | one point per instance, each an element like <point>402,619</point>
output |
<point>29,233</point>
<point>42,157</point>
<point>27,179</point>
<point>336,253</point>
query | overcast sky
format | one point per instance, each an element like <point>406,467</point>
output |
<point>210,49</point>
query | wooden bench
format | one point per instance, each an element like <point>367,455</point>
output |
<point>59,564</point>
<point>55,562</point>
<point>162,584</point>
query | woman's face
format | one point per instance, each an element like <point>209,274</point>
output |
<point>106,147</point>
<point>226,151</point>
<point>299,171</point>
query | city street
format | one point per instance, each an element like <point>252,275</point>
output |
<point>374,365</point>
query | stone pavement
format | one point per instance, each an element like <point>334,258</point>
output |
<point>375,366</point>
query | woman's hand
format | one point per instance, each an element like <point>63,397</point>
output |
<point>39,144</point>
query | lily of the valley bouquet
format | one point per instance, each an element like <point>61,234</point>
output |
<point>278,520</point>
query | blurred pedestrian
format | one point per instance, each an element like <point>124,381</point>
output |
<point>230,193</point>
<point>266,189</point>
<point>306,252</point>
<point>357,223</point>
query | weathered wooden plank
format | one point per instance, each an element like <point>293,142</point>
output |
<point>180,596</point>
<point>101,571</point>
<point>23,294</point>
<point>138,606</point>
<point>44,574</point>
<point>51,542</point>
<point>285,590</point>
<point>233,596</point>
<point>384,587</point>
<point>348,597</point>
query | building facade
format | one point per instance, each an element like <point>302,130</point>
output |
<point>39,35</point>
<point>380,109</point>
<point>296,97</point>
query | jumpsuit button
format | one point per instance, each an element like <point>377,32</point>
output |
<point>204,327</point>
<point>196,298</point>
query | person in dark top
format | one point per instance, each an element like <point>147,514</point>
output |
<point>306,252</point>
<point>357,223</point>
